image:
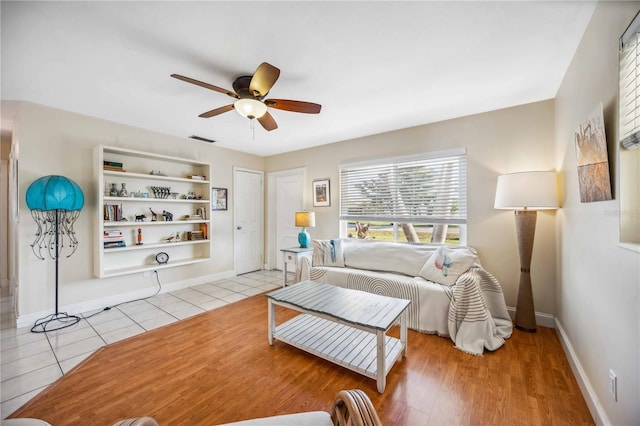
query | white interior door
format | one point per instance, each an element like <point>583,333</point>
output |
<point>289,199</point>
<point>248,214</point>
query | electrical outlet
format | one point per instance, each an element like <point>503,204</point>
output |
<point>613,385</point>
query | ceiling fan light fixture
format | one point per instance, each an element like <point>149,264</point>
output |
<point>250,108</point>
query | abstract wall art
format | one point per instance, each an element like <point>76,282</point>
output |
<point>593,161</point>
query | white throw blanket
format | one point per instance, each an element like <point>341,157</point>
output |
<point>478,316</point>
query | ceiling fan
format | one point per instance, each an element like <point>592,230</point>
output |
<point>250,92</point>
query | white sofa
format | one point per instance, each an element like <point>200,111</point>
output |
<point>451,294</point>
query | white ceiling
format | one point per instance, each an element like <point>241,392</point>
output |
<point>374,66</point>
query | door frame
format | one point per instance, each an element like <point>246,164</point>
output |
<point>260,239</point>
<point>272,255</point>
<point>4,223</point>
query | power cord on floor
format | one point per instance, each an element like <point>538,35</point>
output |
<point>108,308</point>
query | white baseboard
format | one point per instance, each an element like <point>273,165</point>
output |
<point>90,305</point>
<point>542,319</point>
<point>595,407</point>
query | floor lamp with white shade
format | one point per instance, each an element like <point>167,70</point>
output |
<point>525,193</point>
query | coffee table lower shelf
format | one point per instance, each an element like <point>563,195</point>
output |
<point>341,344</point>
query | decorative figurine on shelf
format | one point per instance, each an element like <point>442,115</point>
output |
<point>114,190</point>
<point>168,217</point>
<point>191,195</point>
<point>123,192</point>
<point>154,215</point>
<point>140,217</point>
<point>161,191</point>
<point>170,239</point>
<point>178,236</point>
<point>139,243</point>
<point>202,212</point>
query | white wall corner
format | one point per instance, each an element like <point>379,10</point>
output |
<point>595,407</point>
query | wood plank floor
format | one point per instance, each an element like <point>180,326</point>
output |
<point>218,367</point>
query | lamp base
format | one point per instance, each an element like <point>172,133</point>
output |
<point>304,239</point>
<point>525,319</point>
<point>53,322</point>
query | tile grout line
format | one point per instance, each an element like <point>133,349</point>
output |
<point>96,331</point>
<point>137,323</point>
<point>54,353</point>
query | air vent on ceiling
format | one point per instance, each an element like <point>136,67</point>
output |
<point>200,138</point>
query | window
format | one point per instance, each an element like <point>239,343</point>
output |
<point>629,154</point>
<point>406,198</point>
<point>630,86</point>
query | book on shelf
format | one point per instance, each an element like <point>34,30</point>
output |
<point>113,244</point>
<point>112,163</point>
<point>112,239</point>
<point>195,235</point>
<point>112,212</point>
<point>113,169</point>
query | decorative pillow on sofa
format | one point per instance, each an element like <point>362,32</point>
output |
<point>385,256</point>
<point>328,253</point>
<point>447,264</point>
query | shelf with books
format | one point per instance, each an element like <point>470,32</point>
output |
<point>156,223</point>
<point>171,196</point>
<point>147,246</point>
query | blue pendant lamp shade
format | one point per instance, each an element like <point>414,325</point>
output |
<point>54,192</point>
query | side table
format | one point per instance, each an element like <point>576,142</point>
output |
<point>292,258</point>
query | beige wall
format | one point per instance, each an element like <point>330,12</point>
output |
<point>497,142</point>
<point>58,142</point>
<point>598,281</point>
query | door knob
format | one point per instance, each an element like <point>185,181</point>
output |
<point>239,228</point>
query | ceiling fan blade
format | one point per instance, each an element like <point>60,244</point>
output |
<point>216,111</point>
<point>263,79</point>
<point>205,85</point>
<point>294,106</point>
<point>268,122</point>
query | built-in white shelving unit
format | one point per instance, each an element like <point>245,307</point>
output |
<point>171,237</point>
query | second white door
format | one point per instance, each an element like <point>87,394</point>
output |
<point>248,214</point>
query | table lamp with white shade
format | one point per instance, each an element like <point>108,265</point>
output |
<point>525,193</point>
<point>305,220</point>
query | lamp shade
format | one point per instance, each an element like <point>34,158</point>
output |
<point>53,193</point>
<point>305,219</point>
<point>527,190</point>
<point>250,108</point>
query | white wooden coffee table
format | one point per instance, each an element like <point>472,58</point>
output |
<point>344,326</point>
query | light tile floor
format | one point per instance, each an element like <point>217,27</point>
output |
<point>32,361</point>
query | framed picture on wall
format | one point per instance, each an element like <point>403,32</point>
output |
<point>321,193</point>
<point>218,198</point>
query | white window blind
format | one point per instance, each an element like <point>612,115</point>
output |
<point>427,189</point>
<point>630,86</point>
